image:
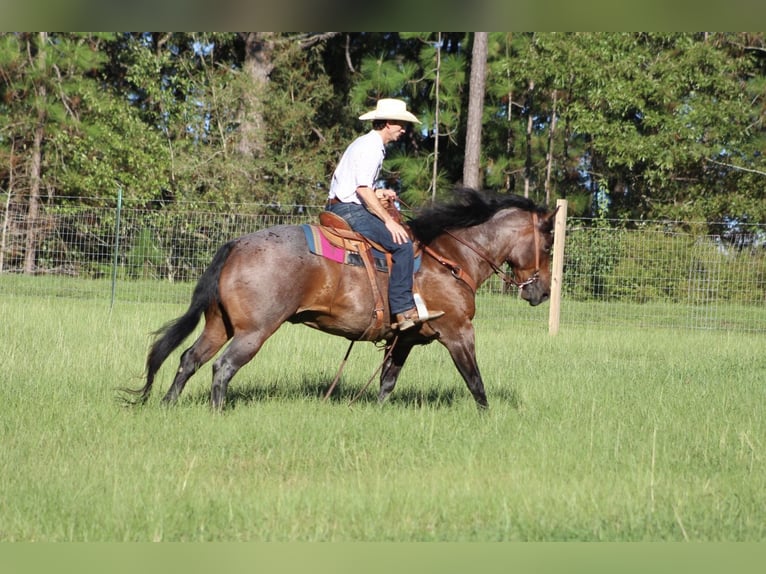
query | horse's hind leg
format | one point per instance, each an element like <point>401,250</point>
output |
<point>204,348</point>
<point>240,351</point>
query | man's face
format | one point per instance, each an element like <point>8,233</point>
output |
<point>396,129</point>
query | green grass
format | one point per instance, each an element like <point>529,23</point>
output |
<point>595,434</point>
<point>715,315</point>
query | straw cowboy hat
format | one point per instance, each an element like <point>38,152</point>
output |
<point>390,109</point>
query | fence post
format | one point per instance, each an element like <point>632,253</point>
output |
<point>116,245</point>
<point>557,272</point>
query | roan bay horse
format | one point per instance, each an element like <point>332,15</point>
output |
<point>258,281</point>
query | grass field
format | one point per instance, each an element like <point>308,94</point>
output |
<point>595,434</point>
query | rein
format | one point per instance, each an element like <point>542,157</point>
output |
<point>367,384</point>
<point>458,272</point>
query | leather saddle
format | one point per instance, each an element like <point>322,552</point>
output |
<point>339,233</point>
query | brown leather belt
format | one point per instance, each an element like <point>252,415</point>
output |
<point>333,201</point>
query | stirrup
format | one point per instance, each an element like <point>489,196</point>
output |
<point>411,318</point>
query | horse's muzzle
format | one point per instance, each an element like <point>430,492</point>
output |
<point>535,293</point>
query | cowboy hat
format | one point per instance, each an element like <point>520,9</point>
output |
<point>390,109</point>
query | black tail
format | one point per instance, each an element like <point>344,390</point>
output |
<point>173,333</point>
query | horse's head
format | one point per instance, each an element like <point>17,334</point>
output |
<point>497,228</point>
<point>530,257</point>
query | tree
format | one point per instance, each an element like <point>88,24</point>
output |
<point>656,109</point>
<point>40,95</point>
<point>646,116</point>
<point>257,66</point>
<point>669,125</point>
<point>44,78</point>
<point>303,140</point>
<point>433,83</point>
<point>472,164</point>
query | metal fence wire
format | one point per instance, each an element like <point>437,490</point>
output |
<point>637,273</point>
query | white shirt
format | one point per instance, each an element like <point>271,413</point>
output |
<point>359,166</point>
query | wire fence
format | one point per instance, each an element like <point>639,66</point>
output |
<point>636,274</point>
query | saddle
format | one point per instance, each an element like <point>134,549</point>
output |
<point>338,233</point>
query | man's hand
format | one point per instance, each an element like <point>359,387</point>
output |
<point>385,194</point>
<point>372,202</point>
<point>397,231</point>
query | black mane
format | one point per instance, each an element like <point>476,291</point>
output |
<point>470,208</point>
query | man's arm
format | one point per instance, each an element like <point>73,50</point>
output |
<point>373,204</point>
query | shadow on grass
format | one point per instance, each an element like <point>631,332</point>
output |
<point>311,388</point>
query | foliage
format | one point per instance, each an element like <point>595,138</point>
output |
<point>655,108</point>
<point>656,263</point>
<point>117,151</point>
<point>93,144</point>
<point>669,124</point>
<point>302,139</point>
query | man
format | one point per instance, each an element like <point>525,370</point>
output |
<point>353,196</point>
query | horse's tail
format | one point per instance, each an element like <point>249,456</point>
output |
<point>172,334</point>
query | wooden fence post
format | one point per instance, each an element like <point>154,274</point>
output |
<point>116,257</point>
<point>557,271</point>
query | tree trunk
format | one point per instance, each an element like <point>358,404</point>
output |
<point>472,161</point>
<point>258,64</point>
<point>549,159</point>
<point>7,212</point>
<point>435,167</point>
<point>35,168</point>
<point>528,165</point>
<point>509,139</point>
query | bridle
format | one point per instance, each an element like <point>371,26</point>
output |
<point>458,272</point>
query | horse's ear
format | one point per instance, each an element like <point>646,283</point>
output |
<point>548,220</point>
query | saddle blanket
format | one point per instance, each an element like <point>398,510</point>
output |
<point>320,245</point>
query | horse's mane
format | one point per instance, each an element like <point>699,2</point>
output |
<point>470,207</point>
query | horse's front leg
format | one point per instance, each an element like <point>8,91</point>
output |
<point>462,348</point>
<point>392,367</point>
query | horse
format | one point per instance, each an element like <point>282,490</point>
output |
<point>259,281</point>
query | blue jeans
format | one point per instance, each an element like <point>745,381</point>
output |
<point>400,278</point>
